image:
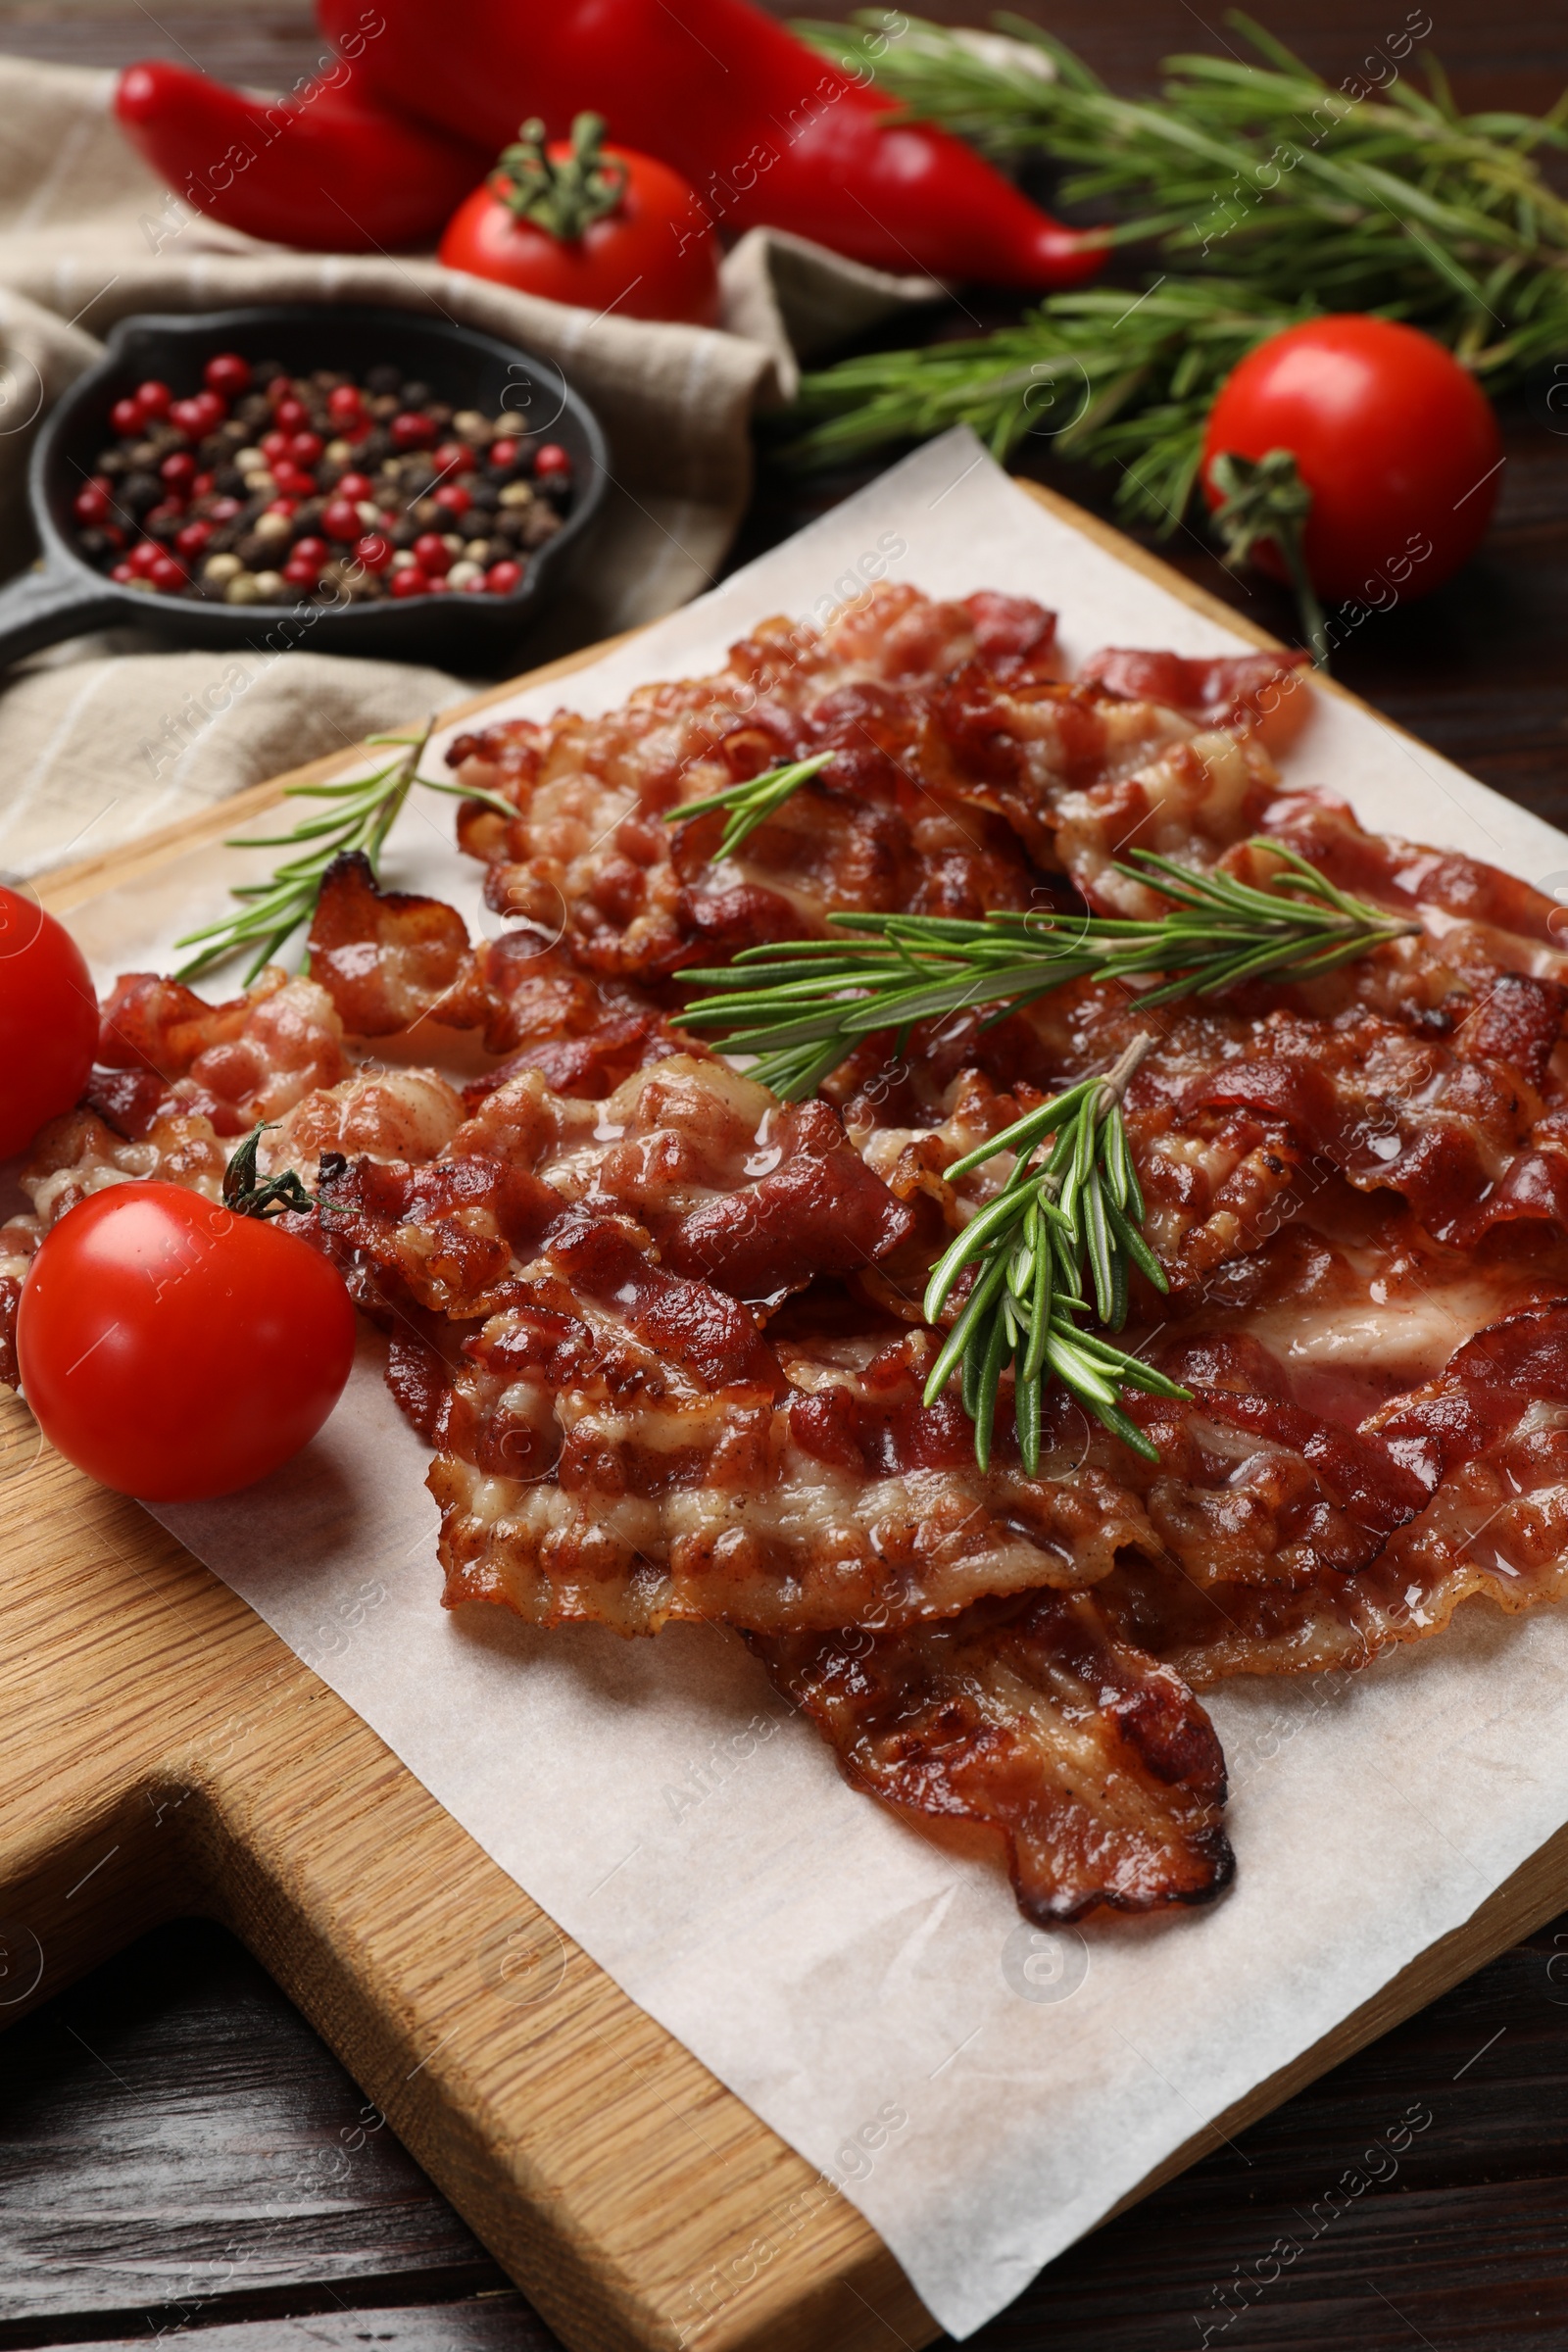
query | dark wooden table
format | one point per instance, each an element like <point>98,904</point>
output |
<point>180,2155</point>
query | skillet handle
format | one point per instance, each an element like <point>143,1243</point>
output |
<point>47,603</point>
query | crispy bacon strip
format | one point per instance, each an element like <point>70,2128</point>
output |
<point>620,1445</point>
<point>1096,1767</point>
<point>1077,772</point>
<point>1260,691</point>
<point>165,1052</point>
<point>390,959</point>
<point>1487,1444</point>
<point>877,829</point>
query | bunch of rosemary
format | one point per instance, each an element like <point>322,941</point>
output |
<point>1264,195</point>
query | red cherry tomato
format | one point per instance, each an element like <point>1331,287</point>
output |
<point>48,1020</point>
<point>1397,442</point>
<point>645,259</point>
<point>173,1349</point>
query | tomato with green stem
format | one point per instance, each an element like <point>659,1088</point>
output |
<point>578,221</point>
<point>1353,456</point>
<point>177,1347</point>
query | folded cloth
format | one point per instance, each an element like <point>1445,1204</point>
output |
<point>99,739</point>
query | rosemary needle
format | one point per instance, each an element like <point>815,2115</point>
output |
<point>750,804</point>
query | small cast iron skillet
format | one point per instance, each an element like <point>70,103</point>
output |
<point>63,595</point>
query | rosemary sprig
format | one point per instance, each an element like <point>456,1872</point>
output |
<point>1030,1247</point>
<point>804,1005</point>
<point>748,805</point>
<point>359,815</point>
<point>1247,182</point>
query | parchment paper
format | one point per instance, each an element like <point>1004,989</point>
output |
<point>982,2090</point>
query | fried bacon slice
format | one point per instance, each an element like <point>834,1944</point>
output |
<point>590,855</point>
<point>1078,773</point>
<point>1097,1768</point>
<point>1261,692</point>
<point>1487,1442</point>
<point>391,961</point>
<point>164,1053</point>
<point>722,1181</point>
<point>621,1444</point>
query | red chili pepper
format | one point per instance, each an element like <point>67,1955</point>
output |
<point>334,168</point>
<point>766,130</point>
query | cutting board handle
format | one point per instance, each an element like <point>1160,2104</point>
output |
<point>47,603</point>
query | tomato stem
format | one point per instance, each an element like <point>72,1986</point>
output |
<point>1265,498</point>
<point>251,1195</point>
<point>562,195</point>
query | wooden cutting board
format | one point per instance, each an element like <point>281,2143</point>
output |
<point>162,1751</point>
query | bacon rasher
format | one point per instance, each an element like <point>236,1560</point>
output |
<point>1097,1768</point>
<point>590,856</point>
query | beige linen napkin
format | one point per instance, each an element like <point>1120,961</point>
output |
<point>109,736</point>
